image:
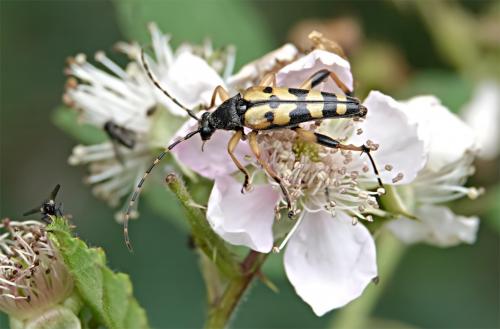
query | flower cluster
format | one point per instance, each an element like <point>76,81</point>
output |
<point>127,100</point>
<point>33,277</point>
<point>424,154</point>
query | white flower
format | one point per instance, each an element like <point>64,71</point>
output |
<point>482,114</point>
<point>129,100</point>
<point>437,226</point>
<point>451,147</point>
<point>329,260</point>
<point>33,277</point>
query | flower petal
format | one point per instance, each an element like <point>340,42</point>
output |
<point>482,113</point>
<point>243,219</point>
<point>190,80</point>
<point>400,151</point>
<point>214,161</point>
<point>294,74</point>
<point>329,261</point>
<point>437,226</point>
<point>446,136</point>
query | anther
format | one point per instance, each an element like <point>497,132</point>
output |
<point>398,177</point>
<point>473,193</point>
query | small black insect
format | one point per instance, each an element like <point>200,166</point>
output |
<point>119,135</point>
<point>48,207</point>
<point>123,136</point>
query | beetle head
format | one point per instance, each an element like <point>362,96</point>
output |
<point>206,128</point>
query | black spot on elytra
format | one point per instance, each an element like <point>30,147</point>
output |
<point>300,93</point>
<point>269,116</point>
<point>274,101</point>
<point>329,97</point>
<point>300,114</point>
<point>268,90</point>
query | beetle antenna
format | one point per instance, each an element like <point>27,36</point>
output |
<point>138,188</point>
<point>157,84</point>
<point>376,171</point>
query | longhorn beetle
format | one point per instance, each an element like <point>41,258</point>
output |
<point>266,107</point>
<point>48,207</point>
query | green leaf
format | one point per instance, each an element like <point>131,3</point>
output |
<point>67,120</point>
<point>224,22</point>
<point>107,294</point>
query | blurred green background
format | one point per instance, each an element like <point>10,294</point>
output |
<point>393,47</point>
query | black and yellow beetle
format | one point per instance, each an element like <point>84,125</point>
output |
<point>266,107</point>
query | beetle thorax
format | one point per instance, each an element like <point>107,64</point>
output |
<point>227,116</point>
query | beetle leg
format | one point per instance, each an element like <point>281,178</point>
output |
<point>269,80</point>
<point>310,136</point>
<point>230,149</point>
<point>221,92</point>
<point>254,146</point>
<point>320,76</point>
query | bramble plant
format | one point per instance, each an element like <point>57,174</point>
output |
<point>50,279</point>
<point>424,154</point>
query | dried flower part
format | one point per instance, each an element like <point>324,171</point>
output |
<point>320,42</point>
<point>33,277</point>
<point>346,31</point>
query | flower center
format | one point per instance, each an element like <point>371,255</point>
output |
<point>319,178</point>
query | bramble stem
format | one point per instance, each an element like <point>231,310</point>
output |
<point>356,315</point>
<point>205,238</point>
<point>239,276</point>
<point>220,313</point>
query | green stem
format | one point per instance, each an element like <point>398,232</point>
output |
<point>205,238</point>
<point>355,316</point>
<point>221,312</point>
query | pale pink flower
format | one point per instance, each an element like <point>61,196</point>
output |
<point>329,259</point>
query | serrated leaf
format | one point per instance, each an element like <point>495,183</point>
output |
<point>107,294</point>
<point>117,289</point>
<point>67,120</point>
<point>135,316</point>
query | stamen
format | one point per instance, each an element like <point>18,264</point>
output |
<point>288,236</point>
<point>101,57</point>
<point>397,178</point>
